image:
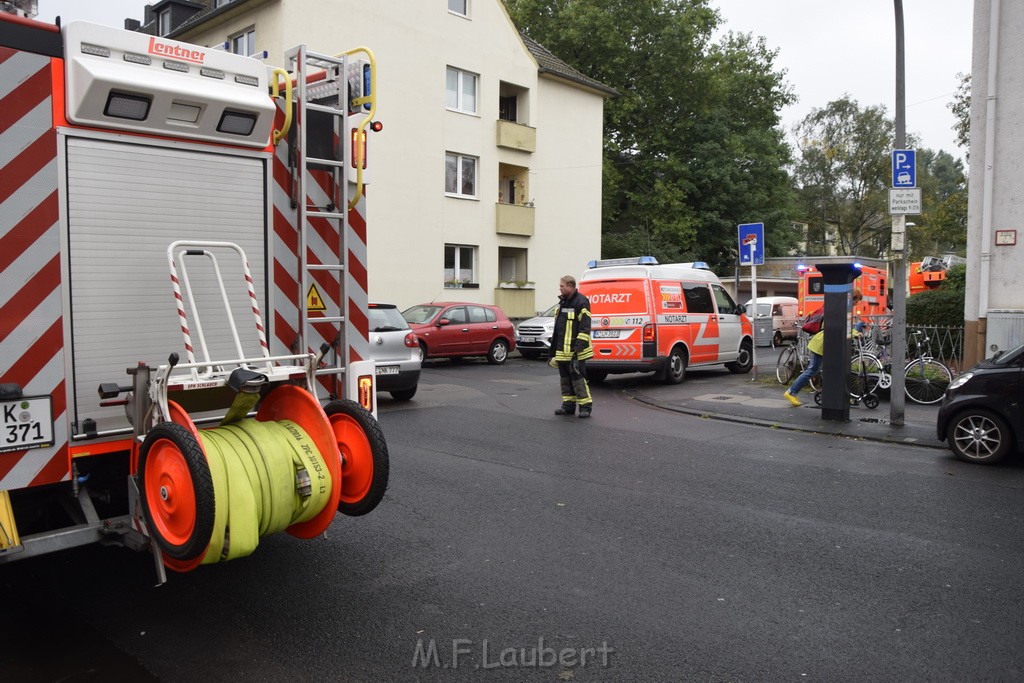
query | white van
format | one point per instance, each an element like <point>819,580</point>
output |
<point>776,319</point>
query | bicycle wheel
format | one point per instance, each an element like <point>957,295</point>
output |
<point>926,380</point>
<point>785,368</point>
<point>865,374</point>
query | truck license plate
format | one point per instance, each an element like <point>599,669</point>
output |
<point>27,423</point>
<point>606,334</point>
<point>387,369</point>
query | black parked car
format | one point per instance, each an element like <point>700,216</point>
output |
<point>982,412</point>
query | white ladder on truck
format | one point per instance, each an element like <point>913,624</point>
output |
<point>321,86</point>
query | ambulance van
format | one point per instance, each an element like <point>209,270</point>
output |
<point>662,318</point>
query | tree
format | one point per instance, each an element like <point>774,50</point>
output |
<point>961,108</point>
<point>692,144</point>
<point>843,174</point>
<point>943,225</point>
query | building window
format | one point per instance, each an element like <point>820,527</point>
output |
<point>244,43</point>
<point>459,265</point>
<point>460,7</point>
<point>164,22</point>
<point>461,91</point>
<point>459,175</point>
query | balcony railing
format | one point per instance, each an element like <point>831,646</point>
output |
<point>517,136</point>
<point>514,219</point>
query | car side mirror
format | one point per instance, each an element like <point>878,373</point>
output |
<point>443,321</point>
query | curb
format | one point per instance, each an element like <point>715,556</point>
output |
<point>786,426</point>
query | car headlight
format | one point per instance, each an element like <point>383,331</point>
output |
<point>960,381</point>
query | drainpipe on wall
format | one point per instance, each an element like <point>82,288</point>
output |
<point>990,153</point>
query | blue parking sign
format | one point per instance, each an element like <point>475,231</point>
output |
<point>904,168</point>
<point>751,244</point>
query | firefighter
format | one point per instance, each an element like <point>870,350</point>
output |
<point>571,347</point>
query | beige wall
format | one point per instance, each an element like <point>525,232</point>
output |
<point>409,217</point>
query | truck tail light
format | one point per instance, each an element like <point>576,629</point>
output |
<point>649,332</point>
<point>366,392</point>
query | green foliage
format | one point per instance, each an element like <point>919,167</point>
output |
<point>943,307</point>
<point>961,108</point>
<point>692,144</point>
<point>956,279</point>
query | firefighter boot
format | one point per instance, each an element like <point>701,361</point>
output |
<point>566,409</point>
<point>585,410</point>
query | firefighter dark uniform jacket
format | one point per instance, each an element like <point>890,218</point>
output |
<point>572,329</point>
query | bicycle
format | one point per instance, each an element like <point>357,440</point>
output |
<point>866,375</point>
<point>793,360</point>
<point>925,378</point>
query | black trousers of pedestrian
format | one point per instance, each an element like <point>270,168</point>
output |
<point>573,376</point>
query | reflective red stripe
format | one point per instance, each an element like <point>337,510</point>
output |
<point>30,296</point>
<point>25,233</point>
<point>39,354</point>
<point>27,164</point>
<point>26,97</point>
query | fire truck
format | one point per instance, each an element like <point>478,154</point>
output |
<point>930,272</point>
<point>872,282</point>
<point>167,213</point>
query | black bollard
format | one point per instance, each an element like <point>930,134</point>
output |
<point>835,368</point>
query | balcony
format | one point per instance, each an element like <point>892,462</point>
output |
<point>517,303</point>
<point>517,136</point>
<point>514,219</point>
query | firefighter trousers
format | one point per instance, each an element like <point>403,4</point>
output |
<point>573,376</point>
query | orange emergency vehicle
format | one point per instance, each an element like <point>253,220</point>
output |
<point>662,318</point>
<point>873,285</point>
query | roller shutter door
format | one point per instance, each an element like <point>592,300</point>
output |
<point>126,204</point>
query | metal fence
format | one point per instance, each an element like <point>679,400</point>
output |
<point>943,343</point>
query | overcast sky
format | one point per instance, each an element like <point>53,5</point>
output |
<point>827,47</point>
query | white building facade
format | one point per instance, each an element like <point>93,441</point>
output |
<point>486,179</point>
<point>994,309</point>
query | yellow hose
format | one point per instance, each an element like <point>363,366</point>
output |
<point>256,469</point>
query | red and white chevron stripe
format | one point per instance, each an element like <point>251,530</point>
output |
<point>323,247</point>
<point>31,319</point>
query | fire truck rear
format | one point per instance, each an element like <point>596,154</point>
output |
<point>167,213</point>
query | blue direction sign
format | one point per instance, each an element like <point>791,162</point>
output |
<point>904,168</point>
<point>751,236</point>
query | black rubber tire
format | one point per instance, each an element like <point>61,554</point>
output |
<point>675,366</point>
<point>777,338</point>
<point>596,376</point>
<point>202,484</point>
<point>529,355</point>
<point>745,362</point>
<point>785,367</point>
<point>871,401</point>
<point>404,394</point>
<point>378,450</point>
<point>498,353</point>
<point>966,431</point>
<point>817,398</point>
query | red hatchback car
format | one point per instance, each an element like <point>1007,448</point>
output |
<point>457,329</point>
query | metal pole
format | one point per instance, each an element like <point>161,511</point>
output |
<point>897,403</point>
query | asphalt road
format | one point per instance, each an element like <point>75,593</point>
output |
<point>513,543</point>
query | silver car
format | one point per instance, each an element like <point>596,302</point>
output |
<point>533,336</point>
<point>396,350</point>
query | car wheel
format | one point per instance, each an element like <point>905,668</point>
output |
<point>529,355</point>
<point>745,361</point>
<point>675,371</point>
<point>423,352</point>
<point>404,394</point>
<point>498,353</point>
<point>979,436</point>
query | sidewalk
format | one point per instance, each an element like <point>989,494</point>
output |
<point>721,395</point>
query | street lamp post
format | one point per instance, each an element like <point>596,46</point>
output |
<point>897,403</point>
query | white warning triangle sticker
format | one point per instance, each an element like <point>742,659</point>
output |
<point>314,302</point>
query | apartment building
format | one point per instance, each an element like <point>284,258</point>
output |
<point>486,179</point>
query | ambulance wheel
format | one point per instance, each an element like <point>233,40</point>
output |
<point>675,369</point>
<point>364,457</point>
<point>176,491</point>
<point>777,338</point>
<point>596,376</point>
<point>745,361</point>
